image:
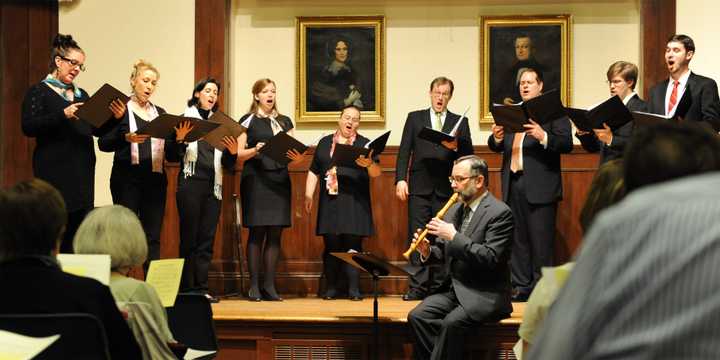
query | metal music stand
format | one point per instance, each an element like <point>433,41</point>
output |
<point>376,267</point>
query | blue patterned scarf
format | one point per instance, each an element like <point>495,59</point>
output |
<point>51,80</point>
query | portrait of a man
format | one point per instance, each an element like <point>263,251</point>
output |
<point>512,44</point>
<point>340,63</point>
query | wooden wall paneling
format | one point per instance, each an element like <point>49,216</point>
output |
<point>657,23</point>
<point>300,267</point>
<point>26,32</point>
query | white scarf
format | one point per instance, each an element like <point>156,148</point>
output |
<point>157,152</point>
<point>274,124</point>
<point>191,154</point>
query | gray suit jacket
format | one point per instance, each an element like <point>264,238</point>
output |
<point>478,259</point>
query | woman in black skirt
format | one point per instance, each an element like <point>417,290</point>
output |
<point>138,180</point>
<point>64,154</point>
<point>344,214</point>
<point>199,191</point>
<point>265,188</point>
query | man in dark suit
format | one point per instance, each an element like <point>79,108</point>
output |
<point>473,241</point>
<point>665,96</point>
<point>427,165</point>
<point>622,77</point>
<point>32,222</point>
<point>532,186</point>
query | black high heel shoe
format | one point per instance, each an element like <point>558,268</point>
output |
<point>254,295</point>
<point>270,296</point>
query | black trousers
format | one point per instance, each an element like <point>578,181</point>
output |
<point>333,267</point>
<point>144,193</point>
<point>74,220</point>
<point>439,325</point>
<point>422,208</point>
<point>199,212</point>
<point>534,237</point>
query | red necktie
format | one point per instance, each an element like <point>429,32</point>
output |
<point>673,97</point>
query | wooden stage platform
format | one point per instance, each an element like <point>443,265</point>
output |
<point>312,328</point>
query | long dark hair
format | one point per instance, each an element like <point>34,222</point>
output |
<point>199,87</point>
<point>61,45</point>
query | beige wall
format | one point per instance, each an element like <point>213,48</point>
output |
<point>262,44</point>
<point>114,34</point>
<point>699,19</point>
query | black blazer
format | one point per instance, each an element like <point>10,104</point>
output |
<point>478,260</point>
<point>621,136</point>
<point>705,105</point>
<point>36,285</point>
<point>431,163</point>
<point>541,166</point>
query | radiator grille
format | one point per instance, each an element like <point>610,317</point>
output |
<point>317,352</point>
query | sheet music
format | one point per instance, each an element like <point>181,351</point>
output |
<point>164,275</point>
<point>94,266</point>
<point>20,347</point>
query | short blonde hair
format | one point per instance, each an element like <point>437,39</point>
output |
<point>141,65</point>
<point>113,230</point>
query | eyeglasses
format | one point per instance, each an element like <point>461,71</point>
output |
<point>459,179</point>
<point>74,63</point>
<point>440,94</point>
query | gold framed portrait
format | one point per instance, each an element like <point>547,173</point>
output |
<point>510,43</point>
<point>340,61</point>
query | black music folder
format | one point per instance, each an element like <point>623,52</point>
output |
<point>96,110</point>
<point>161,127</point>
<point>200,129</point>
<point>378,144</point>
<point>542,109</point>
<point>345,155</point>
<point>611,112</point>
<point>510,117</point>
<point>434,136</point>
<point>228,127</point>
<point>681,109</point>
<point>279,145</point>
<point>648,119</point>
<point>546,107</point>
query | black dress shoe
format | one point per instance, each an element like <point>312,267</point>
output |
<point>412,296</point>
<point>267,296</point>
<point>330,295</point>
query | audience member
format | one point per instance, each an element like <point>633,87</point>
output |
<point>32,222</point>
<point>643,284</point>
<point>116,230</point>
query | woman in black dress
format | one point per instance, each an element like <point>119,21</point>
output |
<point>265,188</point>
<point>344,214</point>
<point>138,180</point>
<point>199,191</point>
<point>64,153</point>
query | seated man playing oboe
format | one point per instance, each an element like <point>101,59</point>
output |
<point>474,240</point>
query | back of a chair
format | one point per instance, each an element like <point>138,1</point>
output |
<point>191,322</point>
<point>82,336</point>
